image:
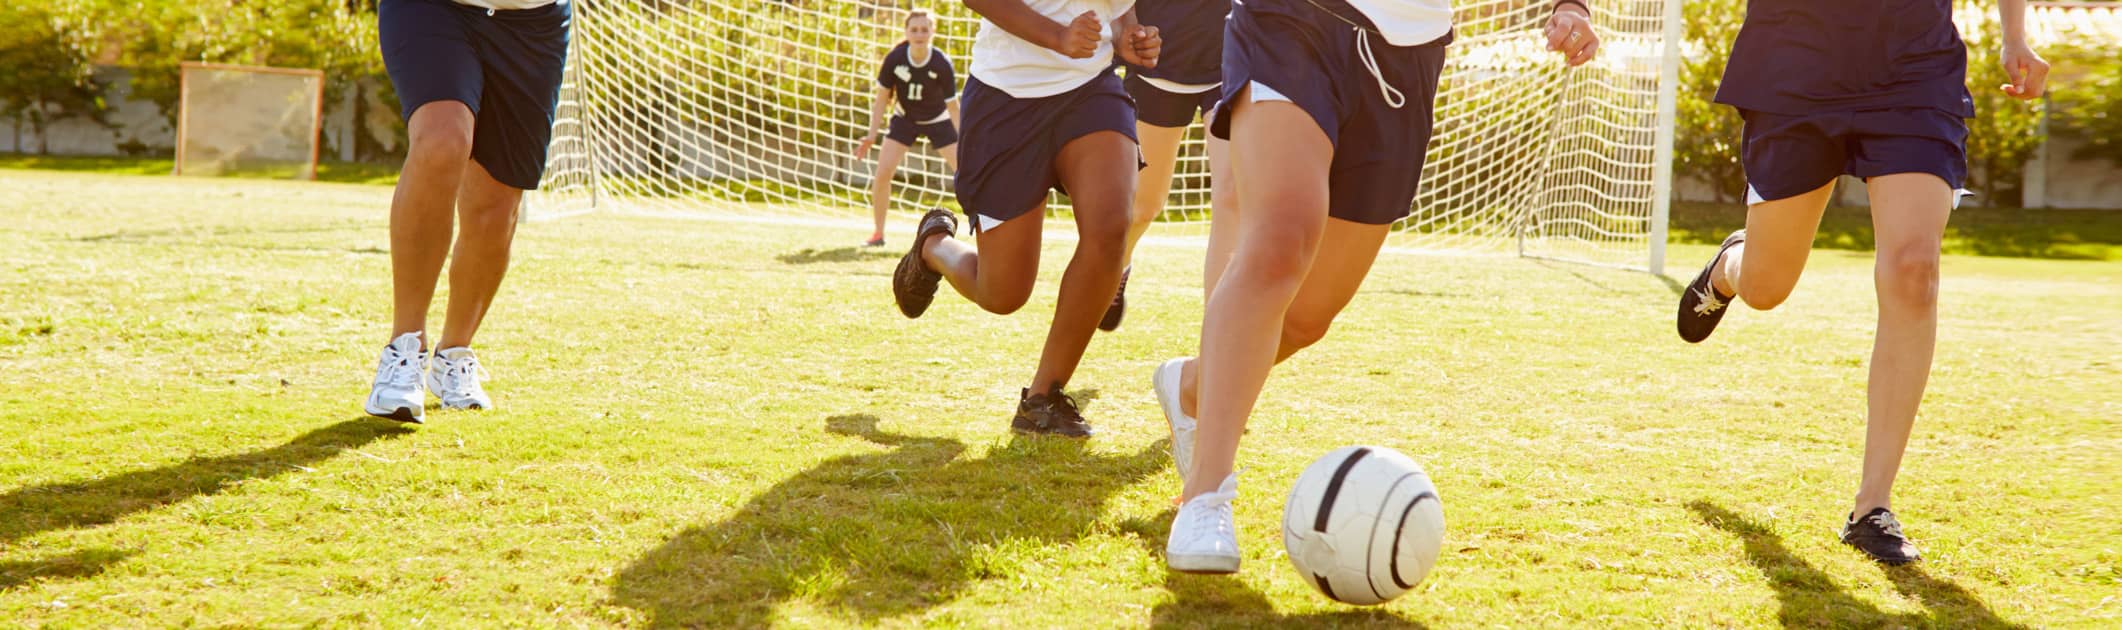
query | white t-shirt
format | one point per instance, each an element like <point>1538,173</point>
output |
<point>506,5</point>
<point>1408,22</point>
<point>1026,70</point>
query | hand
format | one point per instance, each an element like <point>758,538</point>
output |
<point>1569,32</point>
<point>1141,46</point>
<point>862,150</point>
<point>2028,72</point>
<point>1079,39</point>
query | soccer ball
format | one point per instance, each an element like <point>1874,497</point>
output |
<point>1364,524</point>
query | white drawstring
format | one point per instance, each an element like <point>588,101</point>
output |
<point>1393,96</point>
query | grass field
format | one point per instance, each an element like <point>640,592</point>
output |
<point>717,424</point>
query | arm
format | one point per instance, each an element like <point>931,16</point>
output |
<point>1569,31</point>
<point>953,105</point>
<point>1077,39</point>
<point>876,119</point>
<point>2027,71</point>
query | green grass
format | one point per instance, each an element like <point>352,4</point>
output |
<point>327,170</point>
<point>727,424</point>
<point>2061,234</point>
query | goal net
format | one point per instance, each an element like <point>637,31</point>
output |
<point>249,120</point>
<point>754,108</point>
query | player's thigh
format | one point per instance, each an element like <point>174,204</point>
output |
<point>950,156</point>
<point>1281,163</point>
<point>1009,256</point>
<point>1909,212</point>
<point>1779,238</point>
<point>483,202</point>
<point>889,157</point>
<point>1099,172</point>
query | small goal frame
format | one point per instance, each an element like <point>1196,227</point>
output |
<point>184,105</point>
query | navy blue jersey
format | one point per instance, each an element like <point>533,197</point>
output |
<point>1808,56</point>
<point>1193,39</point>
<point>922,89</point>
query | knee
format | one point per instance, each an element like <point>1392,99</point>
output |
<point>1908,276</point>
<point>1104,235</point>
<point>440,141</point>
<point>1006,301</point>
<point>1277,258</point>
<point>1763,296</point>
<point>1299,332</point>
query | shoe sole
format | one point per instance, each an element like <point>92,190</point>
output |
<point>400,414</point>
<point>1036,433</point>
<point>1206,565</point>
<point>1159,383</point>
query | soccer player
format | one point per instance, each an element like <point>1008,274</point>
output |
<point>925,85</point>
<point>1876,90</point>
<point>1327,105</point>
<point>477,80</point>
<point>1185,81</point>
<point>1043,111</point>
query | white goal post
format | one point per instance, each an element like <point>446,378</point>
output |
<point>754,107</point>
<point>248,119</point>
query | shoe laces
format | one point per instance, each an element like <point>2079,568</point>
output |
<point>399,369</point>
<point>1063,406</point>
<point>1887,524</point>
<point>1209,515</point>
<point>463,375</point>
<point>1710,302</point>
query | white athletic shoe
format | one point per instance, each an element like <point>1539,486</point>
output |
<point>1204,537</point>
<point>1166,382</point>
<point>396,392</point>
<point>454,375</point>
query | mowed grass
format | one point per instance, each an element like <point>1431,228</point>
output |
<point>728,424</point>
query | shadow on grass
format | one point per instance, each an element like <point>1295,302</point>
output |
<point>2012,232</point>
<point>77,565</point>
<point>1223,601</point>
<point>808,255</point>
<point>881,535</point>
<point>37,509</point>
<point>1811,599</point>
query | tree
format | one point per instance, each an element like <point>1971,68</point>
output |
<point>45,73</point>
<point>1706,136</point>
<point>2005,131</point>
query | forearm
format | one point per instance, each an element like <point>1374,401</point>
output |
<point>953,105</point>
<point>876,111</point>
<point>1126,23</point>
<point>1020,20</point>
<point>2012,14</point>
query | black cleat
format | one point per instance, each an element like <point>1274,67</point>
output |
<point>1701,305</point>
<point>1049,414</point>
<point>1878,535</point>
<point>1119,308</point>
<point>913,283</point>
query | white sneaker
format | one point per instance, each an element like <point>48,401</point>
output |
<point>1166,382</point>
<point>1204,537</point>
<point>454,374</point>
<point>396,392</point>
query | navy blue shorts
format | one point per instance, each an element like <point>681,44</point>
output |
<point>1790,155</point>
<point>1308,57</point>
<point>503,65</point>
<point>940,133</point>
<point>1155,106</point>
<point>1006,163</point>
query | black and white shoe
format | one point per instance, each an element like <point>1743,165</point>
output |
<point>1113,313</point>
<point>1878,535</point>
<point>1049,414</point>
<point>913,283</point>
<point>1702,305</point>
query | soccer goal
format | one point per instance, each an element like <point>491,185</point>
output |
<point>249,120</point>
<point>753,108</point>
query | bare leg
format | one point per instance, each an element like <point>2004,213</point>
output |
<point>441,142</point>
<point>950,157</point>
<point>1909,212</point>
<point>880,184</point>
<point>1337,273</point>
<point>1779,237</point>
<point>1160,154</point>
<point>999,279</point>
<point>1101,183</point>
<point>1284,196</point>
<point>486,211</point>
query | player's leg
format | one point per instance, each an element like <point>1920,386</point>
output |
<point>1791,165</point>
<point>880,186</point>
<point>1000,274</point>
<point>1160,156</point>
<point>950,156</point>
<point>1099,174</point>
<point>440,143</point>
<point>1909,212</point>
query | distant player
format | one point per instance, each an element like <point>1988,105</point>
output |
<point>925,85</point>
<point>1043,111</point>
<point>477,81</point>
<point>1187,80</point>
<point>1328,106</point>
<point>1876,90</point>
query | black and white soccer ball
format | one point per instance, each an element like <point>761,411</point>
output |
<point>1363,524</point>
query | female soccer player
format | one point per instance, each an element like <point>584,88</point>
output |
<point>478,80</point>
<point>1187,79</point>
<point>1327,105</point>
<point>923,82</point>
<point>1043,111</point>
<point>1876,90</point>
